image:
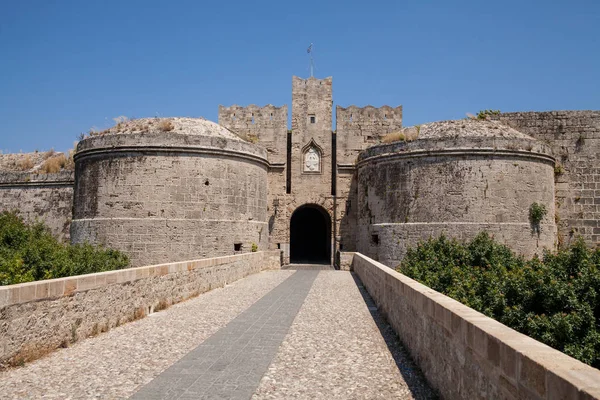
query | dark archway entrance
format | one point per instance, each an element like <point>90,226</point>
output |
<point>310,235</point>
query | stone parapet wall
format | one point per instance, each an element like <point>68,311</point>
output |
<point>39,197</point>
<point>39,317</point>
<point>466,355</point>
<point>345,260</point>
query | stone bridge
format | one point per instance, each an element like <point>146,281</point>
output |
<point>249,329</point>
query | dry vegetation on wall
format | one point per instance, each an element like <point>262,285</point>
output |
<point>554,299</point>
<point>165,125</point>
<point>248,137</point>
<point>405,135</point>
<point>26,163</point>
<point>29,252</point>
<point>133,125</point>
<point>176,125</point>
<point>37,162</point>
<point>58,163</point>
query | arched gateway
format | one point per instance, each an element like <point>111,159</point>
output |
<point>310,235</point>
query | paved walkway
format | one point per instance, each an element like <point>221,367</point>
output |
<point>305,334</point>
<point>231,362</point>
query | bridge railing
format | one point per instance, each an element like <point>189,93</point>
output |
<point>466,355</point>
<point>39,317</point>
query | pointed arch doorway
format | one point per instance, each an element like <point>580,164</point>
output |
<point>310,235</point>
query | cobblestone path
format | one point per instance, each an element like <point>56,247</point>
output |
<point>305,334</point>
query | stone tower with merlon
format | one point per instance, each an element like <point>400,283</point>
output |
<point>312,177</point>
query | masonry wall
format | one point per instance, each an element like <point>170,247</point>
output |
<point>347,208</point>
<point>456,187</point>
<point>575,140</point>
<point>466,355</point>
<point>361,127</point>
<point>39,317</point>
<point>162,198</point>
<point>41,197</point>
<point>266,125</point>
<point>357,128</point>
<point>278,212</point>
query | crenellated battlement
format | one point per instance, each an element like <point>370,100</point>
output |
<point>244,116</point>
<point>360,127</point>
<point>266,125</point>
<point>311,82</point>
<point>354,114</point>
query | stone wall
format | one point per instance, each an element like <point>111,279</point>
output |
<point>408,192</point>
<point>466,355</point>
<point>39,317</point>
<point>360,127</point>
<point>42,197</point>
<point>161,197</point>
<point>266,125</point>
<point>347,208</point>
<point>575,140</point>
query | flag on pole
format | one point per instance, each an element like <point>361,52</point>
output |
<point>309,48</point>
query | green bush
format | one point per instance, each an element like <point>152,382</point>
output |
<point>29,252</point>
<point>537,212</point>
<point>555,300</point>
<point>484,114</point>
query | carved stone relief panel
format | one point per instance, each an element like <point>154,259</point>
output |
<point>312,160</point>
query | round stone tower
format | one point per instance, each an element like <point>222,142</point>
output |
<point>170,189</point>
<point>457,178</point>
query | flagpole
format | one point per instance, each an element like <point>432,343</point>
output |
<point>309,51</point>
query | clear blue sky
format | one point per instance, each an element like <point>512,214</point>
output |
<point>67,66</point>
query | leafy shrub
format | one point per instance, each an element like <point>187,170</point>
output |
<point>555,300</point>
<point>537,212</point>
<point>29,252</point>
<point>484,114</point>
<point>254,247</point>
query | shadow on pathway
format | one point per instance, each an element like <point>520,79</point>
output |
<point>410,371</point>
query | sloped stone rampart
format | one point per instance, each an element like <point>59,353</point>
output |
<point>466,355</point>
<point>38,317</point>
